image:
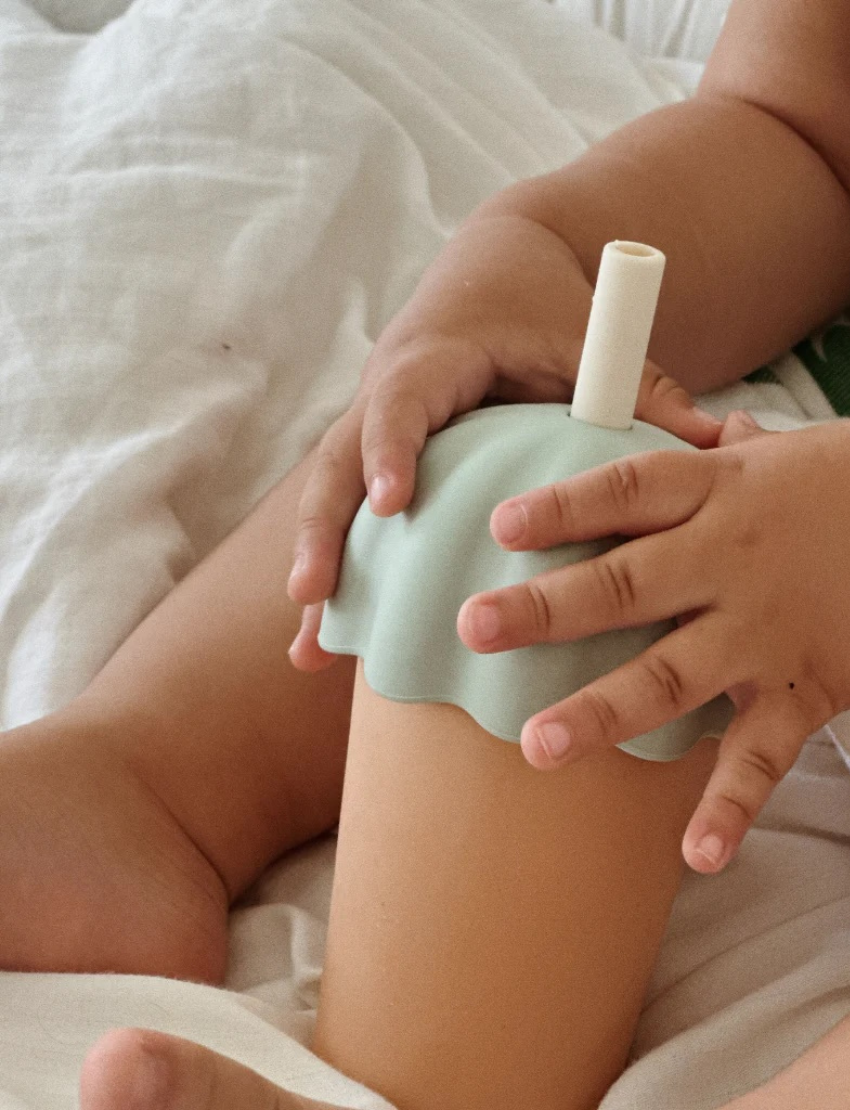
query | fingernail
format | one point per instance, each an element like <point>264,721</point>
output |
<point>299,565</point>
<point>511,522</point>
<point>555,739</point>
<point>746,419</point>
<point>707,418</point>
<point>712,849</point>
<point>379,487</point>
<point>485,622</point>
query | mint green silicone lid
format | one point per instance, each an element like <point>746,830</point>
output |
<point>404,578</point>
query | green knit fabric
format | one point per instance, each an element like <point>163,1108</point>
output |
<point>763,376</point>
<point>826,355</point>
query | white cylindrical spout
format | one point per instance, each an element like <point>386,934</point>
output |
<point>617,336</point>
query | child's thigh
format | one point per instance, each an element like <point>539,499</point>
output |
<point>493,927</point>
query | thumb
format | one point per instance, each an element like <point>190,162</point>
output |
<point>738,427</point>
<point>305,651</point>
<point>666,404</point>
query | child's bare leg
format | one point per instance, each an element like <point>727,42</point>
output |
<point>582,926</point>
<point>130,819</point>
<point>493,928</point>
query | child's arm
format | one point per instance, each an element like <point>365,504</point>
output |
<point>745,188</point>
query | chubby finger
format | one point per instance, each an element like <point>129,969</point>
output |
<point>666,404</point>
<point>395,427</point>
<point>154,1071</point>
<point>633,584</point>
<point>759,748</point>
<point>331,497</point>
<point>680,672</point>
<point>738,427</point>
<point>305,651</point>
<point>417,396</point>
<point>629,496</point>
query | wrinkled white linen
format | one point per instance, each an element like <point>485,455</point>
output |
<point>208,210</point>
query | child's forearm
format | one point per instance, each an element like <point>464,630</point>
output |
<point>746,188</point>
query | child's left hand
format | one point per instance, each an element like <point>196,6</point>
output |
<point>747,545</point>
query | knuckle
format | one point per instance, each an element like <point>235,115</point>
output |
<point>746,809</point>
<point>396,392</point>
<point>764,764</point>
<point>559,509</point>
<point>662,387</point>
<point>618,584</point>
<point>313,528</point>
<point>541,611</point>
<point>397,418</point>
<point>380,420</point>
<point>601,710</point>
<point>666,680</point>
<point>624,484</point>
<point>329,460</point>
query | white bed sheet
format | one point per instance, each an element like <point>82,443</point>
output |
<point>208,210</point>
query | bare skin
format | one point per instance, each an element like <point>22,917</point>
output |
<point>492,930</point>
<point>761,627</point>
<point>188,1077</point>
<point>177,745</point>
<point>746,188</point>
<point>163,732</point>
<point>113,743</point>
<point>86,841</point>
<point>137,1069</point>
<point>141,1070</point>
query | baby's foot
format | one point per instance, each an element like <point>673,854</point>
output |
<point>135,1069</point>
<point>96,873</point>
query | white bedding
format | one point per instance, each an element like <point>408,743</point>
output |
<point>208,210</point>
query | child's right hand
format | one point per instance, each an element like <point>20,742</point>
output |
<point>500,314</point>
<point>746,546</point>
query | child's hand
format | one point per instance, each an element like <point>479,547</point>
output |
<point>748,546</point>
<point>501,313</point>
